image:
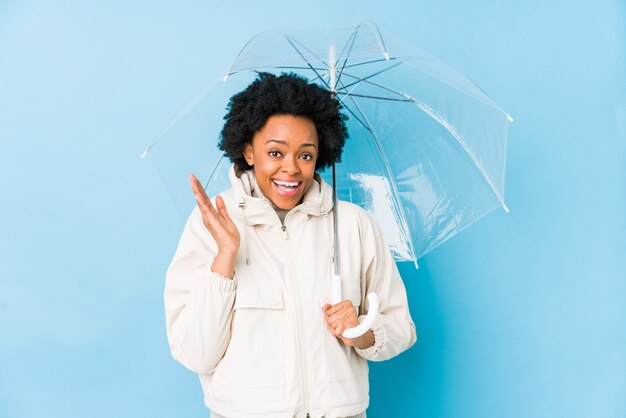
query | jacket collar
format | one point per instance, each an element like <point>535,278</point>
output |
<point>317,201</point>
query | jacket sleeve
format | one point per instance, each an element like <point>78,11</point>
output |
<point>198,302</point>
<point>394,330</point>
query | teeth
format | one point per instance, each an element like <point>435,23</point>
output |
<point>286,183</point>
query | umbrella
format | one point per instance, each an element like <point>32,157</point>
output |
<point>426,153</point>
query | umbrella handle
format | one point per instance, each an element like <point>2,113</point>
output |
<point>372,312</point>
<point>365,326</point>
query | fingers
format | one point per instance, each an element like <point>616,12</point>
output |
<point>340,317</point>
<point>197,188</point>
<point>201,198</point>
<point>221,208</point>
<point>338,307</point>
<point>338,330</point>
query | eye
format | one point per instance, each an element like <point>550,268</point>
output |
<point>306,157</point>
<point>274,154</point>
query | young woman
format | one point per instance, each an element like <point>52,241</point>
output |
<point>248,293</point>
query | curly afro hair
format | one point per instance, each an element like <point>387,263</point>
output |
<point>287,94</point>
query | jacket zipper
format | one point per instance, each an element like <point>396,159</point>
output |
<point>301,347</point>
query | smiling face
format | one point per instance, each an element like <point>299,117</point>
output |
<point>283,154</point>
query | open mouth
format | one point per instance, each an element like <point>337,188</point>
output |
<point>286,187</point>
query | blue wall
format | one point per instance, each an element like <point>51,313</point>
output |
<point>521,315</point>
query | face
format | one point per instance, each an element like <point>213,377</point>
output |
<point>283,154</point>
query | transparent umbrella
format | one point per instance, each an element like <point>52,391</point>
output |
<point>426,152</point>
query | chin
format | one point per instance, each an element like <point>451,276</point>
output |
<point>285,205</point>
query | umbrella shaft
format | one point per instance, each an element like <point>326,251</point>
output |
<point>335,229</point>
<point>332,62</point>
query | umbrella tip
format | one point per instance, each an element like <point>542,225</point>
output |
<point>506,209</point>
<point>509,117</point>
<point>386,56</point>
<point>225,77</point>
<point>144,154</point>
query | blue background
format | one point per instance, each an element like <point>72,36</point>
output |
<point>521,315</point>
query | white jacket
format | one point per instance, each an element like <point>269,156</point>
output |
<point>260,342</point>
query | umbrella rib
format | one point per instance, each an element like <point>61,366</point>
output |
<point>304,59</point>
<point>342,68</point>
<point>293,67</point>
<point>365,80</point>
<point>356,64</point>
<point>377,97</point>
<point>365,125</point>
<point>320,76</point>
<point>395,195</point>
<point>214,171</point>
<point>293,40</point>
<point>308,67</point>
<point>351,41</point>
<point>353,38</point>
<point>372,75</point>
<point>405,98</point>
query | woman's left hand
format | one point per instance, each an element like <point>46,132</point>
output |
<point>343,316</point>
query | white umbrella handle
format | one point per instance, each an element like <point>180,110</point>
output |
<point>372,312</point>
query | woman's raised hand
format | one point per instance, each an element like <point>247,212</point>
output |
<point>220,226</point>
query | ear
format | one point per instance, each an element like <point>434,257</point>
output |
<point>248,154</point>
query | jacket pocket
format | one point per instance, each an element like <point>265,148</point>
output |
<point>255,355</point>
<point>342,362</point>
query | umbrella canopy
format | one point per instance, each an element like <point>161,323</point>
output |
<point>426,153</point>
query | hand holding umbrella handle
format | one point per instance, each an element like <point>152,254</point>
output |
<point>364,326</point>
<point>372,312</point>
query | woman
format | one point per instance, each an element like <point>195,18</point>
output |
<point>248,292</point>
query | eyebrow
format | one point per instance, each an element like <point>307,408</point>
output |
<point>285,143</point>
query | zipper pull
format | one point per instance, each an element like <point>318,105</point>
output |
<point>285,234</point>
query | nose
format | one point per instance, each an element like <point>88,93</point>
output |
<point>290,165</point>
